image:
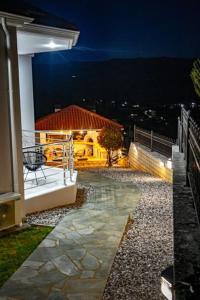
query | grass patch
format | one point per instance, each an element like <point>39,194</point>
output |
<point>16,247</point>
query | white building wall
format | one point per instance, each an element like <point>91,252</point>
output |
<point>26,92</point>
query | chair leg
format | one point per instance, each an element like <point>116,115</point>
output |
<point>26,175</point>
<point>36,179</point>
<point>43,173</point>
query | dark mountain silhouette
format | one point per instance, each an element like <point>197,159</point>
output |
<point>147,81</point>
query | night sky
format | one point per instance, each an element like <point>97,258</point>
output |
<point>127,29</point>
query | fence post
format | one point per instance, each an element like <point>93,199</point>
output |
<point>180,134</point>
<point>151,140</point>
<point>181,131</point>
<point>187,150</point>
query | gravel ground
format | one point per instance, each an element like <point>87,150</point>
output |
<point>52,217</point>
<point>148,246</point>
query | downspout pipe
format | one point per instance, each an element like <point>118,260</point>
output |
<point>10,90</point>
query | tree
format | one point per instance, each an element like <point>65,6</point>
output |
<point>195,76</point>
<point>111,139</point>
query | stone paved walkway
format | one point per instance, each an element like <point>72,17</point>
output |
<point>75,259</point>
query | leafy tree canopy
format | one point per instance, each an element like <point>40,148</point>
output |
<point>195,76</point>
<point>111,139</point>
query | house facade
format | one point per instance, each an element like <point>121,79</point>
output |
<point>24,31</point>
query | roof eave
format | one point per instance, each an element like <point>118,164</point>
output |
<point>25,24</point>
<point>15,20</point>
<point>52,31</point>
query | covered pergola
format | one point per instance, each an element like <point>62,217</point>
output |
<point>85,127</point>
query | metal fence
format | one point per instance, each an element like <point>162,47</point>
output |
<point>189,144</point>
<point>154,141</point>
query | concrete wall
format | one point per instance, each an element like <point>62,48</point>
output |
<point>59,197</point>
<point>26,92</point>
<point>142,159</point>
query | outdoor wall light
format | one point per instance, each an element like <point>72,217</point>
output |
<point>169,163</point>
<point>52,45</point>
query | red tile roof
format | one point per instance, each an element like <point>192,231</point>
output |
<point>74,117</point>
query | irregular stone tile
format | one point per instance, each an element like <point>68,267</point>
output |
<point>47,279</point>
<point>77,224</point>
<point>60,285</point>
<point>87,274</point>
<point>97,225</point>
<point>57,235</point>
<point>49,266</point>
<point>66,266</point>
<point>73,235</point>
<point>83,297</point>
<point>76,254</point>
<point>90,262</point>
<point>45,254</point>
<point>86,286</point>
<point>56,295</point>
<point>48,243</point>
<point>67,244</point>
<point>78,264</point>
<point>32,264</point>
<point>60,228</point>
<point>101,253</point>
<point>22,291</point>
<point>86,231</point>
<point>24,273</point>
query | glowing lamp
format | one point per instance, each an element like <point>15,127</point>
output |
<point>52,45</point>
<point>162,164</point>
<point>169,163</point>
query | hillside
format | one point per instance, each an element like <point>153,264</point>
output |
<point>148,81</point>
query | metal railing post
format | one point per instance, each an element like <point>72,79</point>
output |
<point>181,131</point>
<point>71,166</point>
<point>179,139</point>
<point>187,150</point>
<point>64,164</point>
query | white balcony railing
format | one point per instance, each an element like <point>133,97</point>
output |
<point>48,161</point>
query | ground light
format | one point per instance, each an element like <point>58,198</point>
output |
<point>166,282</point>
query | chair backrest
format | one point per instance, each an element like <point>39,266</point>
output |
<point>33,160</point>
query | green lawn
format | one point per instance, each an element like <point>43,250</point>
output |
<point>16,247</point>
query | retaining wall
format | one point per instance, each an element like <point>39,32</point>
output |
<point>142,159</point>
